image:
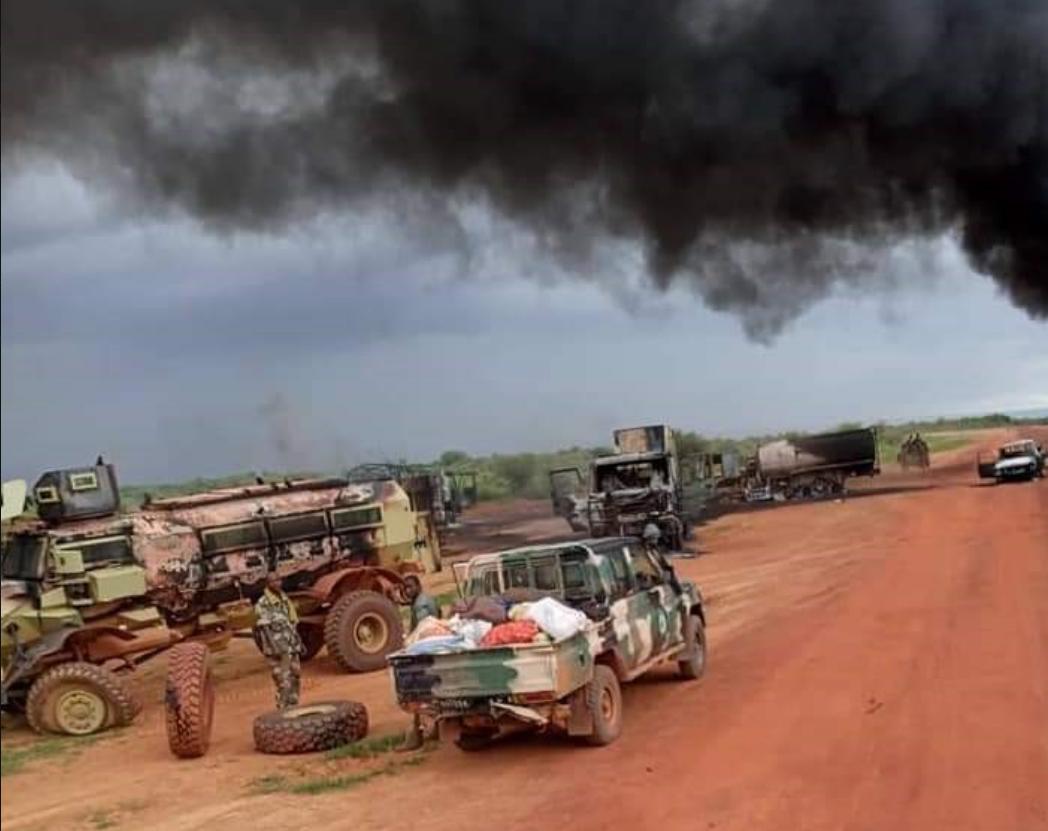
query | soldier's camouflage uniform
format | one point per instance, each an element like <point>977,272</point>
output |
<point>275,624</point>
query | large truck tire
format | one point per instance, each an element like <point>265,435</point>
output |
<point>693,664</point>
<point>361,629</point>
<point>311,727</point>
<point>312,635</point>
<point>78,699</point>
<point>604,700</point>
<point>189,700</point>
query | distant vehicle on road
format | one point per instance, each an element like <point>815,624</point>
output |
<point>1016,461</point>
<point>810,467</point>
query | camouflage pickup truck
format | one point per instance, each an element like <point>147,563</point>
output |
<point>639,615</point>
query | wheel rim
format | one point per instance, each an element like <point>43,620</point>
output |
<point>80,712</point>
<point>371,633</point>
<point>607,706</point>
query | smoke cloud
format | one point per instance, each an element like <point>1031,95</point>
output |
<point>759,150</point>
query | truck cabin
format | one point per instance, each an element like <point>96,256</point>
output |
<point>581,574</point>
<point>636,472</point>
<point>1017,449</point>
<point>26,555</point>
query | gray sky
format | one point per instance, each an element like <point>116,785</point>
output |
<point>178,352</point>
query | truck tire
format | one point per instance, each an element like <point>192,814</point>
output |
<point>362,628</point>
<point>189,700</point>
<point>693,665</point>
<point>78,699</point>
<point>312,636</point>
<point>311,727</point>
<point>604,700</point>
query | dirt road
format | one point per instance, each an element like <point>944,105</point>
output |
<point>876,663</point>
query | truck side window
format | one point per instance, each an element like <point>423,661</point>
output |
<point>645,571</point>
<point>545,575</point>
<point>517,576</point>
<point>620,570</point>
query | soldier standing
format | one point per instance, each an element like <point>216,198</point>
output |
<point>422,607</point>
<point>277,635</point>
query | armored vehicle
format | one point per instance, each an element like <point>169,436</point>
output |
<point>88,590</point>
<point>638,613</point>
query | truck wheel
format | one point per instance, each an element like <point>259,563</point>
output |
<point>189,700</point>
<point>361,629</point>
<point>78,699</point>
<point>311,727</point>
<point>693,665</point>
<point>604,699</point>
<point>312,636</point>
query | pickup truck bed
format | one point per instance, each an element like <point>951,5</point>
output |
<point>458,680</point>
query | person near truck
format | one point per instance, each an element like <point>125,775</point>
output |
<point>276,630</point>
<point>422,607</point>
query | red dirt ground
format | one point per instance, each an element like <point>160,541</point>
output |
<point>880,662</point>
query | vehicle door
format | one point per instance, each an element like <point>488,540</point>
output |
<point>564,483</point>
<point>656,607</point>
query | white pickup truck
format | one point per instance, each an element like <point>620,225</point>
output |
<point>1017,460</point>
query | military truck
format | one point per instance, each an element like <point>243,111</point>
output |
<point>444,494</point>
<point>639,614</point>
<point>89,591</point>
<point>914,452</point>
<point>640,483</point>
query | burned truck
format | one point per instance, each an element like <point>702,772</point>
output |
<point>810,467</point>
<point>89,590</point>
<point>640,484</point>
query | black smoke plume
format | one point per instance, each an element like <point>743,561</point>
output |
<point>761,149</point>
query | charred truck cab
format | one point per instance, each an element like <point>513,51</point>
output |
<point>88,590</point>
<point>640,484</point>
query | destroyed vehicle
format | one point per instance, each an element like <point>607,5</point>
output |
<point>637,614</point>
<point>1016,461</point>
<point>89,591</point>
<point>811,467</point>
<point>640,484</point>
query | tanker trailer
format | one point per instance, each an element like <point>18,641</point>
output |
<point>809,467</point>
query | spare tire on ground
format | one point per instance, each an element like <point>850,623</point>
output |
<point>189,700</point>
<point>311,727</point>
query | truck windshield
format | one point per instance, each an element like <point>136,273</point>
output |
<point>614,477</point>
<point>23,557</point>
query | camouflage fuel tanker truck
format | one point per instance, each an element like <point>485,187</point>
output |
<point>89,592</point>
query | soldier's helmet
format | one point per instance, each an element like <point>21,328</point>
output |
<point>651,533</point>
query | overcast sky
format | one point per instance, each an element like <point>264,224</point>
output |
<point>178,352</point>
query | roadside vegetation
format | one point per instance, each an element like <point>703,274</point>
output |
<point>525,475</point>
<point>16,758</point>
